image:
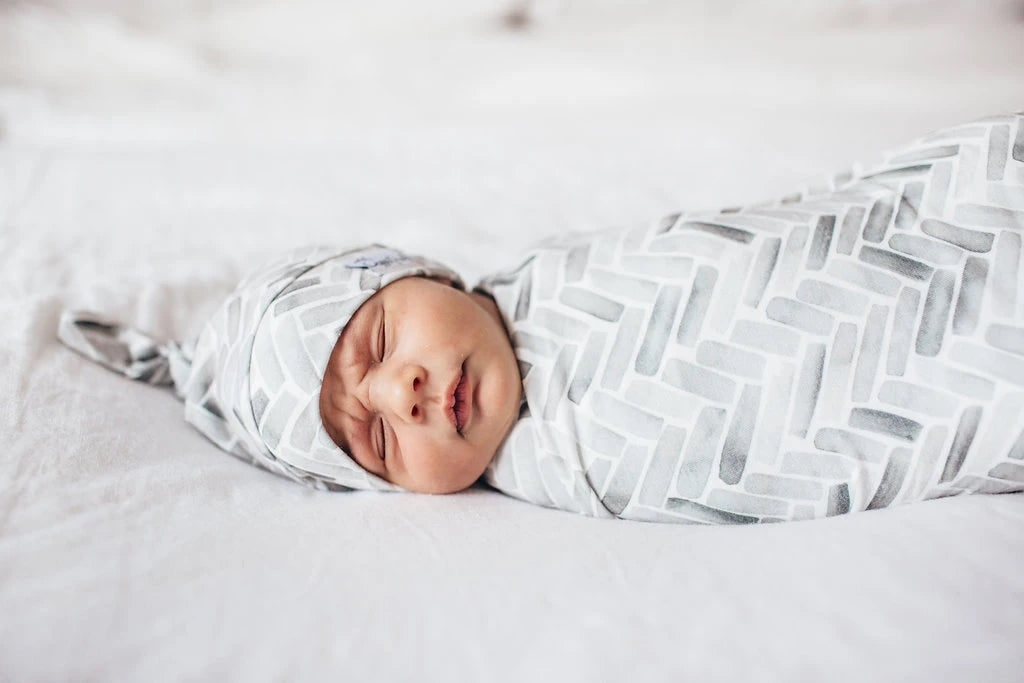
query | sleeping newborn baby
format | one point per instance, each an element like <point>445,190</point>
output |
<point>846,348</point>
<point>422,386</point>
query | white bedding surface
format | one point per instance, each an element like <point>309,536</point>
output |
<point>143,173</point>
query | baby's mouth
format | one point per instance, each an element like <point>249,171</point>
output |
<point>459,401</point>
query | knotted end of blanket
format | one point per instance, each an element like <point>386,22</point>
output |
<point>124,350</point>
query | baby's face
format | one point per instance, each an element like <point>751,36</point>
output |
<point>422,385</point>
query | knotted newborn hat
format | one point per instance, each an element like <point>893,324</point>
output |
<point>251,382</point>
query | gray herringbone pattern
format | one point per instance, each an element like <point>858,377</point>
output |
<point>849,347</point>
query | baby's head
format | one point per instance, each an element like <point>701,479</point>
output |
<point>422,385</point>
<point>365,368</point>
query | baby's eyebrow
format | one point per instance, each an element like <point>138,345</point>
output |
<point>345,426</point>
<point>368,436</point>
<point>334,430</point>
<point>369,451</point>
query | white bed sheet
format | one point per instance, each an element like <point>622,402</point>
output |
<point>140,180</point>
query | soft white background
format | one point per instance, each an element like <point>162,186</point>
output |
<point>151,152</point>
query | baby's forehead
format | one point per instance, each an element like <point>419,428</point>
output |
<point>363,314</point>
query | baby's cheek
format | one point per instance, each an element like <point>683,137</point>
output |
<point>446,468</point>
<point>422,464</point>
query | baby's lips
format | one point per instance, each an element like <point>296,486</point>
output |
<point>450,400</point>
<point>463,403</point>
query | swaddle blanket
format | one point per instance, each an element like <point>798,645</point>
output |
<point>846,348</point>
<point>251,382</point>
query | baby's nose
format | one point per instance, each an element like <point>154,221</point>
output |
<point>402,394</point>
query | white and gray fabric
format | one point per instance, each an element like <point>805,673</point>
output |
<point>251,382</point>
<point>846,348</point>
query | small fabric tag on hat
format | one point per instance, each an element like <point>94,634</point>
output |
<point>371,258</point>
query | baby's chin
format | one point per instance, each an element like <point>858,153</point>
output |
<point>442,489</point>
<point>445,482</point>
